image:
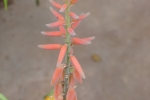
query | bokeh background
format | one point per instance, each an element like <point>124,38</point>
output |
<point>122,45</point>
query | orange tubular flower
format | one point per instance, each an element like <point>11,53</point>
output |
<point>73,15</point>
<point>57,74</point>
<point>56,14</point>
<point>75,24</point>
<point>60,97</point>
<point>62,29</point>
<point>56,24</point>
<point>57,90</point>
<point>77,66</point>
<point>84,16</point>
<point>71,95</point>
<point>78,41</point>
<point>89,38</point>
<point>71,31</point>
<point>57,5</point>
<point>72,80</point>
<point>50,46</point>
<point>54,33</point>
<point>77,76</point>
<point>61,54</point>
<point>63,7</point>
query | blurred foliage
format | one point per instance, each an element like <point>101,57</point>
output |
<point>6,4</point>
<point>2,97</point>
<point>49,96</point>
<point>37,2</point>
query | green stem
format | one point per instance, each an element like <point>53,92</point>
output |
<point>6,4</point>
<point>67,58</point>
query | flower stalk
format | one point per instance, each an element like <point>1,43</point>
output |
<point>67,57</point>
<point>66,74</point>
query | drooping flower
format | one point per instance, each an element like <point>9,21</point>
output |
<point>63,7</point>
<point>78,41</point>
<point>60,97</point>
<point>53,33</point>
<point>57,5</point>
<point>50,46</point>
<point>57,74</point>
<point>73,15</point>
<point>61,54</point>
<point>75,24</point>
<point>77,76</point>
<point>77,66</point>
<point>71,31</point>
<point>56,14</point>
<point>72,80</point>
<point>71,94</point>
<point>55,24</point>
<point>62,29</point>
<point>89,38</point>
<point>82,16</point>
<point>57,90</point>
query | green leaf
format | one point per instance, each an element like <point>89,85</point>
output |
<point>2,97</point>
<point>6,4</point>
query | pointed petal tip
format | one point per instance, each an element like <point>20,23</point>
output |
<point>88,13</point>
<point>42,32</point>
<point>47,25</point>
<point>88,42</point>
<point>40,46</point>
<point>51,8</point>
<point>50,0</point>
<point>93,37</point>
<point>83,76</point>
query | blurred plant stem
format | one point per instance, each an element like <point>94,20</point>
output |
<point>6,4</point>
<point>37,2</point>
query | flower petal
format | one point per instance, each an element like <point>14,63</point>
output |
<point>73,15</point>
<point>75,95</point>
<point>63,8</point>
<point>61,54</point>
<point>57,5</point>
<point>72,80</point>
<point>62,29</point>
<point>55,24</point>
<point>77,76</point>
<point>57,90</point>
<point>78,41</point>
<point>84,16</point>
<point>70,94</point>
<point>59,16</point>
<point>57,74</point>
<point>77,66</point>
<point>53,33</point>
<point>50,46</point>
<point>71,31</point>
<point>89,38</point>
<point>75,24</point>
<point>60,97</point>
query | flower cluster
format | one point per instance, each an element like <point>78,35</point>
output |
<point>66,74</point>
